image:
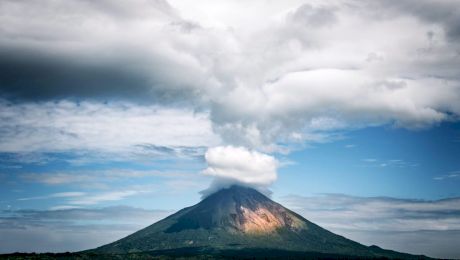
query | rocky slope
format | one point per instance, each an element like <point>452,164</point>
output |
<point>240,219</point>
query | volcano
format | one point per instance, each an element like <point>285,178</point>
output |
<point>240,221</point>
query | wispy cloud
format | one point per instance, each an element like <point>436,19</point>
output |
<point>399,163</point>
<point>369,160</point>
<point>64,207</point>
<point>79,199</point>
<point>29,130</point>
<point>450,175</point>
<point>92,199</point>
<point>56,195</point>
<point>97,176</point>
<point>17,159</point>
<point>95,198</point>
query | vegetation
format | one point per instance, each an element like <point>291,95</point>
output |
<point>234,223</point>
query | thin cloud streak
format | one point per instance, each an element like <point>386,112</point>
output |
<point>56,195</point>
<point>95,176</point>
<point>450,175</point>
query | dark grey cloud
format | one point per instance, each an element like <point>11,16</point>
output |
<point>85,49</point>
<point>445,13</point>
<point>309,16</point>
<point>165,152</point>
<point>31,75</point>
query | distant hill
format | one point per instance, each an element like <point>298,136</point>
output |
<point>240,222</point>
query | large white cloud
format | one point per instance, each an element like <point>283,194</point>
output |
<point>269,73</point>
<point>238,165</point>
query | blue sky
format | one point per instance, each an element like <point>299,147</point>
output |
<point>114,115</point>
<point>376,161</point>
<point>396,167</point>
<point>379,161</point>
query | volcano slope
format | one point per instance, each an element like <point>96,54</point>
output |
<point>240,221</point>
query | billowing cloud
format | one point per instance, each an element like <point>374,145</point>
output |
<point>157,78</point>
<point>238,165</point>
<point>307,71</point>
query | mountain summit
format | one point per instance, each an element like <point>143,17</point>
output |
<point>240,219</point>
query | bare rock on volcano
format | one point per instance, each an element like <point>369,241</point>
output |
<point>240,219</point>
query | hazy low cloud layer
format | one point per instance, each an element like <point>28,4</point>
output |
<point>415,226</point>
<point>289,72</point>
<point>70,229</point>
